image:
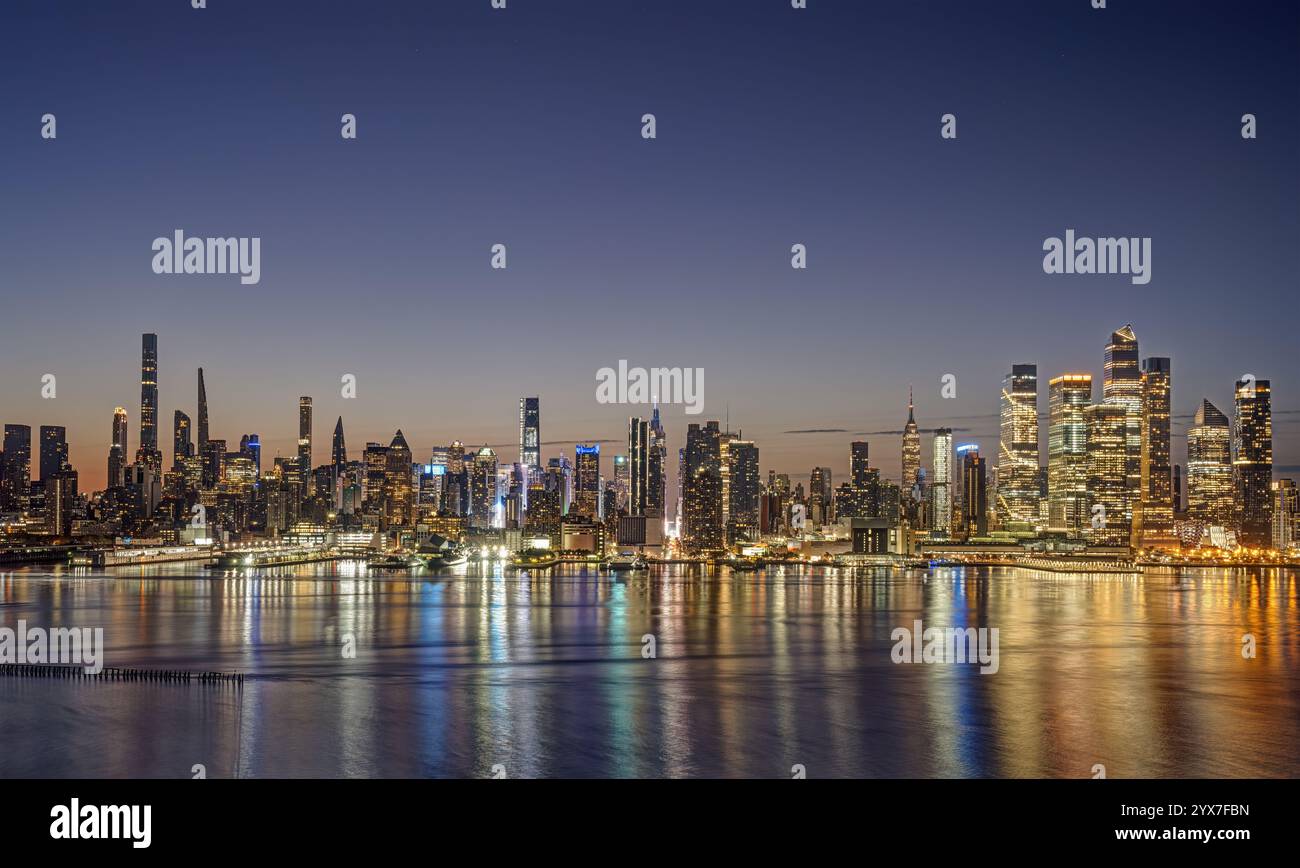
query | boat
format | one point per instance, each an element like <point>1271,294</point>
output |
<point>625,562</point>
<point>532,559</point>
<point>743,565</point>
<point>396,561</point>
<point>439,552</point>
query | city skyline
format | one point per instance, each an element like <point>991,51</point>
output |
<point>924,255</point>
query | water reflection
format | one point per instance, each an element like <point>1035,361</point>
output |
<point>544,675</point>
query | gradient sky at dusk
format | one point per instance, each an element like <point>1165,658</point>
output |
<point>776,126</point>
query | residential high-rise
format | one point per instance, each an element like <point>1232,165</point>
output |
<point>117,450</point>
<point>16,479</point>
<point>148,453</point>
<point>974,474</point>
<point>530,433</point>
<point>1122,385</point>
<point>1209,467</point>
<point>1067,452</point>
<point>859,465</point>
<point>821,496</point>
<point>1107,474</point>
<point>1252,462</point>
<point>701,480</point>
<point>586,494</point>
<point>941,485</point>
<point>1017,497</point>
<point>1286,514</point>
<point>54,450</point>
<point>203,415</point>
<point>1154,523</point>
<point>638,466</point>
<point>182,444</point>
<point>745,491</point>
<point>621,487</point>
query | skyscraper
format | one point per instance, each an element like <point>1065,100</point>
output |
<point>1154,522</point>
<point>339,449</point>
<point>530,433</point>
<point>941,486</point>
<point>203,415</point>
<point>182,445</point>
<point>304,434</point>
<point>398,507</point>
<point>1122,385</point>
<point>1107,481</point>
<point>638,470</point>
<point>483,488</point>
<point>1252,462</point>
<point>1017,496</point>
<point>859,465</point>
<point>16,479</point>
<point>586,495</point>
<point>701,498</point>
<point>1286,514</point>
<point>656,468</point>
<point>54,450</point>
<point>1209,467</point>
<point>911,450</point>
<point>1067,452</point>
<point>974,475</point>
<point>148,453</point>
<point>117,450</point>
<point>745,492</point>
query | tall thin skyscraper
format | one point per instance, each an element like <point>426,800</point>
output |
<point>1122,385</point>
<point>941,486</point>
<point>304,434</point>
<point>530,433</point>
<point>1067,452</point>
<point>656,469</point>
<point>859,465</point>
<point>744,493</point>
<point>1209,467</point>
<point>1252,462</point>
<point>148,453</point>
<point>1017,494</point>
<point>701,481</point>
<point>1154,523</point>
<point>1107,482</point>
<point>117,450</point>
<point>974,476</point>
<point>638,454</point>
<point>16,479</point>
<point>911,449</point>
<point>586,495</point>
<point>203,415</point>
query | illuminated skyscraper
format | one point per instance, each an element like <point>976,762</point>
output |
<point>1209,467</point>
<point>703,529</point>
<point>148,453</point>
<point>656,470</point>
<point>1154,522</point>
<point>1122,385</point>
<point>1286,514</point>
<point>16,480</point>
<point>530,433</point>
<point>483,488</point>
<point>1107,480</point>
<point>117,451</point>
<point>974,474</point>
<point>399,503</point>
<point>54,450</point>
<point>859,465</point>
<point>941,486</point>
<point>203,415</point>
<point>304,435</point>
<point>911,451</point>
<point>1252,462</point>
<point>1017,497</point>
<point>1067,452</point>
<point>586,493</point>
<point>622,485</point>
<point>182,444</point>
<point>638,466</point>
<point>745,491</point>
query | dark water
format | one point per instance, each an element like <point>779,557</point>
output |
<point>754,674</point>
